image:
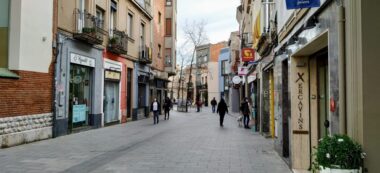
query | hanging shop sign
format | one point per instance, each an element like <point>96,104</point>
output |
<point>112,65</point>
<point>82,60</point>
<point>79,113</point>
<point>247,54</point>
<point>112,75</point>
<point>242,71</point>
<point>297,4</point>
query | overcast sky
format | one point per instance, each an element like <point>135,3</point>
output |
<point>219,14</point>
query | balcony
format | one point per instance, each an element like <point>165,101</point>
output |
<point>118,43</point>
<point>88,28</point>
<point>201,85</point>
<point>144,55</point>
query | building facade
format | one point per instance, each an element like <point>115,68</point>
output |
<point>26,72</point>
<point>303,86</point>
<point>224,67</point>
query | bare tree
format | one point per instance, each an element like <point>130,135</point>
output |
<point>185,59</point>
<point>195,35</point>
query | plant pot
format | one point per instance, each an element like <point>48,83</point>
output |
<point>334,170</point>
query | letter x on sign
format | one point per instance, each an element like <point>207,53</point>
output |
<point>300,77</point>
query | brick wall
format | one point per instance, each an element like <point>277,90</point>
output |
<point>30,94</point>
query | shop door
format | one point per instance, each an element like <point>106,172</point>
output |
<point>159,99</point>
<point>111,102</point>
<point>323,94</point>
<point>285,108</point>
<point>129,93</point>
<point>80,96</point>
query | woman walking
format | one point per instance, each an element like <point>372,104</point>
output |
<point>222,110</point>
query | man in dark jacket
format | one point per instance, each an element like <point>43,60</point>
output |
<point>213,104</point>
<point>244,108</point>
<point>155,108</point>
<point>167,106</point>
<point>222,110</point>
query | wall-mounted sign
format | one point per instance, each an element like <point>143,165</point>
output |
<point>112,65</point>
<point>112,75</point>
<point>247,54</point>
<point>79,113</point>
<point>236,80</point>
<point>296,4</point>
<point>242,71</point>
<point>82,60</point>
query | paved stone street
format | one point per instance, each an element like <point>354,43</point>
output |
<point>191,142</point>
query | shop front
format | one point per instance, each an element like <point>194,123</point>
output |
<point>78,88</point>
<point>112,90</point>
<point>141,95</point>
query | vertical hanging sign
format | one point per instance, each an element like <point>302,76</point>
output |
<point>297,4</point>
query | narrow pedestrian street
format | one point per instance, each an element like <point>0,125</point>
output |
<point>188,142</point>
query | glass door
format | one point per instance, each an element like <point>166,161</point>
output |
<point>80,96</point>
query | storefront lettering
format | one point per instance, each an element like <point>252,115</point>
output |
<point>82,60</point>
<point>300,98</point>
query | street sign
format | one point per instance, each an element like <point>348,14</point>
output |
<point>297,4</point>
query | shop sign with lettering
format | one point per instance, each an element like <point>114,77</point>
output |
<point>297,4</point>
<point>112,75</point>
<point>82,60</point>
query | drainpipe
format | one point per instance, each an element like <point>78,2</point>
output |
<point>342,69</point>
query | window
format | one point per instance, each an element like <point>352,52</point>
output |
<point>224,72</point>
<point>159,18</point>
<point>159,51</point>
<point>4,29</point>
<point>99,17</point>
<point>168,27</point>
<point>168,56</point>
<point>168,2</point>
<point>142,35</point>
<point>113,17</point>
<point>130,25</point>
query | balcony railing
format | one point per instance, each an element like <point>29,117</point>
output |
<point>118,43</point>
<point>144,55</point>
<point>88,28</point>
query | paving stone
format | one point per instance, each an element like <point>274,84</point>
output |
<point>187,143</point>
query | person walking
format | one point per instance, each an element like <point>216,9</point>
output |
<point>199,104</point>
<point>167,106</point>
<point>213,104</point>
<point>155,108</point>
<point>222,110</point>
<point>245,110</point>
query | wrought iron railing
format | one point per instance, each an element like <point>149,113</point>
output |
<point>88,28</point>
<point>145,55</point>
<point>118,42</point>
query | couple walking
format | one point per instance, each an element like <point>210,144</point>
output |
<point>156,109</point>
<point>222,109</point>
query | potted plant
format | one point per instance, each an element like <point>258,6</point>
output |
<point>113,41</point>
<point>338,154</point>
<point>88,30</point>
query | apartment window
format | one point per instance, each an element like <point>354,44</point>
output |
<point>159,18</point>
<point>142,35</point>
<point>159,51</point>
<point>168,27</point>
<point>113,17</point>
<point>130,25</point>
<point>168,56</point>
<point>4,30</point>
<point>224,67</point>
<point>168,2</point>
<point>99,17</point>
